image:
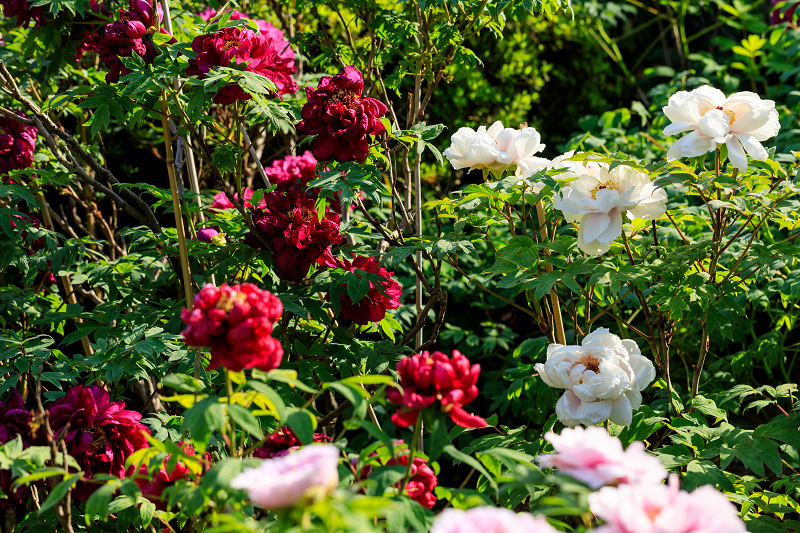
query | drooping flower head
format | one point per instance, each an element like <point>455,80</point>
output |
<point>290,221</point>
<point>341,118</point>
<point>497,149</point>
<point>101,436</point>
<point>266,29</point>
<point>664,509</point>
<point>594,457</point>
<point>241,45</point>
<point>597,201</point>
<point>740,122</point>
<point>17,143</point>
<point>489,520</point>
<point>235,322</point>
<point>283,442</point>
<point>428,378</point>
<point>23,10</point>
<point>603,378</point>
<point>292,171</point>
<point>153,489</point>
<point>307,474</point>
<point>373,306</point>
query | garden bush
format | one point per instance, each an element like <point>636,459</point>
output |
<point>443,266</point>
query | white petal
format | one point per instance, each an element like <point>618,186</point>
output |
<point>753,148</point>
<point>643,370</point>
<point>715,124</point>
<point>692,145</point>
<point>679,127</point>
<point>567,409</point>
<point>592,225</point>
<point>621,411</point>
<point>736,154</point>
<point>593,413</point>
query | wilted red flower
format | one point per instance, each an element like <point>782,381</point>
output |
<point>240,45</point>
<point>153,489</point>
<point>340,118</point>
<point>282,442</point>
<point>22,10</point>
<point>236,323</point>
<point>422,481</point>
<point>17,142</point>
<point>428,378</point>
<point>269,31</point>
<point>298,236</point>
<point>101,434</point>
<point>373,306</point>
<point>292,171</point>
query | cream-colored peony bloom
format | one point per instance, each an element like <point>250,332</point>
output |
<point>597,199</point>
<point>603,378</point>
<point>569,169</point>
<point>739,122</point>
<point>496,149</point>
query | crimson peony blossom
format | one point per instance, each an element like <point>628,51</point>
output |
<point>236,323</point>
<point>373,306</point>
<point>153,489</point>
<point>266,29</point>
<point>341,118</point>
<point>241,45</point>
<point>17,142</point>
<point>290,221</point>
<point>101,434</point>
<point>292,171</point>
<point>428,378</point>
<point>23,10</point>
<point>282,442</point>
<point>422,481</point>
<point>14,420</point>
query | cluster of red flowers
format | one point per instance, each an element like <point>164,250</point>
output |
<point>23,10</point>
<point>341,118</point>
<point>127,36</point>
<point>373,306</point>
<point>266,54</point>
<point>236,322</point>
<point>17,142</point>
<point>422,480</point>
<point>429,378</point>
<point>153,489</point>
<point>298,237</point>
<point>282,442</point>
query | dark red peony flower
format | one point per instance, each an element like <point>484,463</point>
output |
<point>14,420</point>
<point>373,306</point>
<point>241,45</point>
<point>101,434</point>
<point>22,10</point>
<point>428,378</point>
<point>236,323</point>
<point>282,442</point>
<point>292,171</point>
<point>340,118</point>
<point>266,29</point>
<point>422,481</point>
<point>90,25</point>
<point>153,489</point>
<point>776,17</point>
<point>298,236</point>
<point>17,142</point>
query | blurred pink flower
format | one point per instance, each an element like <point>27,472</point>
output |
<point>236,322</point>
<point>487,519</point>
<point>427,378</point>
<point>23,10</point>
<point>341,118</point>
<point>310,473</point>
<point>664,509</point>
<point>153,489</point>
<point>595,458</point>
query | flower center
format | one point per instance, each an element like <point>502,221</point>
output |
<point>592,364</point>
<point>349,99</point>
<point>731,114</point>
<point>228,45</point>
<point>98,437</point>
<point>227,302</point>
<point>604,185</point>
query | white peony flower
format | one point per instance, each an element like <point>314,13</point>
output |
<point>569,169</point>
<point>740,122</point>
<point>496,148</point>
<point>603,378</point>
<point>598,198</point>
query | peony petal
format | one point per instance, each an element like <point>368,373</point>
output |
<point>621,411</point>
<point>736,154</point>
<point>753,148</point>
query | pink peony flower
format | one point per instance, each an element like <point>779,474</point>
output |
<point>298,236</point>
<point>664,509</point>
<point>236,323</point>
<point>221,200</point>
<point>373,306</point>
<point>292,171</point>
<point>153,489</point>
<point>283,442</point>
<point>17,142</point>
<point>207,234</point>
<point>22,10</point>
<point>428,378</point>
<point>595,458</point>
<point>310,473</point>
<point>489,520</point>
<point>241,45</point>
<point>341,118</point>
<point>101,434</point>
<point>266,29</point>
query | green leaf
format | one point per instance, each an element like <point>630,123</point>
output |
<point>183,383</point>
<point>303,424</point>
<point>453,452</point>
<point>705,473</point>
<point>708,407</point>
<point>204,418</point>
<point>784,429</point>
<point>245,419</point>
<point>60,491</point>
